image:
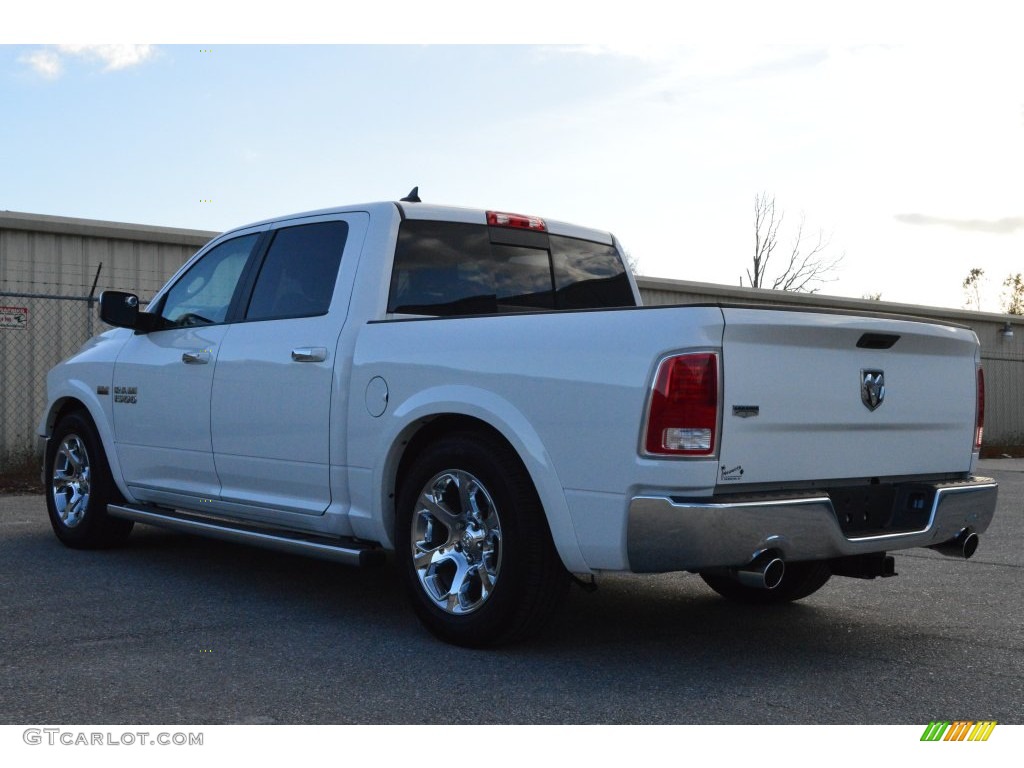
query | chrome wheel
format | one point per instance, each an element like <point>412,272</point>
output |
<point>80,486</point>
<point>70,486</point>
<point>474,547</point>
<point>456,542</point>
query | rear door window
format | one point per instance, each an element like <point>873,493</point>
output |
<point>298,273</point>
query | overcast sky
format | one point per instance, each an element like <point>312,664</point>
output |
<point>908,157</point>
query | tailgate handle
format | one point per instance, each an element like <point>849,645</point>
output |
<point>877,340</point>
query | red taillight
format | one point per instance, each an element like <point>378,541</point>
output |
<point>979,418</point>
<point>516,221</point>
<point>684,406</point>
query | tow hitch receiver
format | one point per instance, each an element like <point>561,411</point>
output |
<point>864,566</point>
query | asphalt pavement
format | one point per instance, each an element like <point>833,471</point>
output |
<point>174,629</point>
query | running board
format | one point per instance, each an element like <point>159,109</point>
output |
<point>346,551</point>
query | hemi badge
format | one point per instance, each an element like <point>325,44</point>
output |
<point>746,411</point>
<point>101,390</point>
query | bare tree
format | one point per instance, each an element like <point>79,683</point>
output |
<point>632,263</point>
<point>766,237</point>
<point>803,266</point>
<point>972,288</point>
<point>1013,296</point>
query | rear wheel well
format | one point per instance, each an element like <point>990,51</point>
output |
<point>428,433</point>
<point>435,428</point>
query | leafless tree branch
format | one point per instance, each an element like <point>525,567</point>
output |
<point>805,267</point>
<point>766,236</point>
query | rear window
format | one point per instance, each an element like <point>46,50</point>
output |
<point>447,268</point>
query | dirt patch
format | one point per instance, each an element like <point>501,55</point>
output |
<point>21,475</point>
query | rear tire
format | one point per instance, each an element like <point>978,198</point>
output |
<point>473,543</point>
<point>79,486</point>
<point>798,581</point>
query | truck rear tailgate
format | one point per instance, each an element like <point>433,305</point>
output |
<point>796,407</point>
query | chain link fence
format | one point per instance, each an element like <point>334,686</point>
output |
<point>37,331</point>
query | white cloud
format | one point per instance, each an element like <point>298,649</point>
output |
<point>49,62</point>
<point>44,62</point>
<point>113,56</point>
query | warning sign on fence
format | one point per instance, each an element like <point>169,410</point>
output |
<point>14,318</point>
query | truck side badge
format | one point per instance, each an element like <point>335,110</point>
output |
<point>128,395</point>
<point>746,411</point>
<point>872,388</point>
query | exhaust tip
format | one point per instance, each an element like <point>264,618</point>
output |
<point>970,544</point>
<point>773,573</point>
<point>765,572</point>
<point>964,545</point>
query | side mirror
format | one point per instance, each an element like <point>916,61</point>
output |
<point>121,309</point>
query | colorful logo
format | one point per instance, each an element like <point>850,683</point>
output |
<point>958,730</point>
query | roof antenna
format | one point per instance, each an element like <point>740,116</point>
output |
<point>412,197</point>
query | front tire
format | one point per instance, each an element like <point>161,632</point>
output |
<point>79,486</point>
<point>473,544</point>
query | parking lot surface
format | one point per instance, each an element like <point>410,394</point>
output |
<point>172,629</point>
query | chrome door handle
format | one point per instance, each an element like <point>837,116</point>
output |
<point>195,358</point>
<point>309,354</point>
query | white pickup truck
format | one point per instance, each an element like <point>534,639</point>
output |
<point>482,393</point>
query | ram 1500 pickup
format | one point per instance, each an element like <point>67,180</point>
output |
<point>482,393</point>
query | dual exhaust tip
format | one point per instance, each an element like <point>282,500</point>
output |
<point>767,569</point>
<point>964,545</point>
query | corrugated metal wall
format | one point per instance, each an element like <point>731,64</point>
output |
<point>56,255</point>
<point>47,267</point>
<point>1002,356</point>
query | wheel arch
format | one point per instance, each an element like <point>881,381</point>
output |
<point>80,398</point>
<point>423,426</point>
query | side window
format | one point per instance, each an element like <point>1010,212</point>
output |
<point>439,270</point>
<point>589,275</point>
<point>298,274</point>
<point>203,294</point>
<point>447,268</point>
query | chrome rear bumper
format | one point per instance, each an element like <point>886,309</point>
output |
<point>669,534</point>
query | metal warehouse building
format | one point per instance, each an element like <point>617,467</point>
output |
<point>52,269</point>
